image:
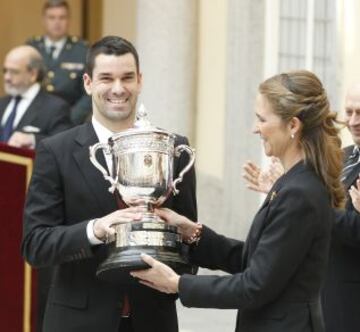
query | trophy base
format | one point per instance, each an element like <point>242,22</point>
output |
<point>120,262</point>
<point>157,239</point>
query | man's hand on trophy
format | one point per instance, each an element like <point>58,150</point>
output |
<point>262,180</point>
<point>102,227</point>
<point>159,276</point>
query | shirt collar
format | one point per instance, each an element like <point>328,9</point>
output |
<point>59,44</point>
<point>31,92</point>
<point>101,131</point>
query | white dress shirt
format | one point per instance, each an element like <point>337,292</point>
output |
<point>103,135</point>
<point>26,99</point>
<point>59,44</point>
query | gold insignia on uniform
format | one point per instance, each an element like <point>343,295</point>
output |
<point>72,75</point>
<point>74,39</point>
<point>50,74</point>
<point>273,195</point>
<point>50,88</point>
<point>72,65</point>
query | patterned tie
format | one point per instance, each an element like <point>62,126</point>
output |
<point>9,124</point>
<point>350,163</point>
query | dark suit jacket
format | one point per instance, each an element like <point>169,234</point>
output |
<point>47,112</point>
<point>276,274</point>
<point>341,293</point>
<point>65,192</point>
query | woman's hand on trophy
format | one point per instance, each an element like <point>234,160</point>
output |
<point>159,276</point>
<point>102,227</point>
<point>185,226</point>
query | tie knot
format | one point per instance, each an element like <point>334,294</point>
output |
<point>52,49</point>
<point>17,100</point>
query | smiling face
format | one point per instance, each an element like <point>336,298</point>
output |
<point>352,113</point>
<point>276,135</point>
<point>115,85</point>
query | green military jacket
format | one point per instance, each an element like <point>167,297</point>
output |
<point>64,75</point>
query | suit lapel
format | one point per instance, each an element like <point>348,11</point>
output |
<point>256,228</point>
<point>98,186</point>
<point>3,104</point>
<point>260,220</point>
<point>31,112</point>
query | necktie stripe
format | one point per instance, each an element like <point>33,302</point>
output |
<point>350,164</point>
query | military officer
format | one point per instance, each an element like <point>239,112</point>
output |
<point>64,57</point>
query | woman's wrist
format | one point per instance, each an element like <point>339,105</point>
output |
<point>194,233</point>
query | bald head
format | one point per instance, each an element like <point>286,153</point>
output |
<point>352,112</point>
<point>23,66</point>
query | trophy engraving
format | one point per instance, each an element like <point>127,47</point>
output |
<point>142,174</point>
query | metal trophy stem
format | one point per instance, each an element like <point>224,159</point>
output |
<point>143,158</point>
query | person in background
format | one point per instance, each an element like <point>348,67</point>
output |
<point>341,292</point>
<point>69,210</point>
<point>64,57</point>
<point>276,275</point>
<point>27,113</point>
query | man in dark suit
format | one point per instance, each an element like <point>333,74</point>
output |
<point>341,293</point>
<point>27,113</point>
<point>69,209</point>
<point>64,57</point>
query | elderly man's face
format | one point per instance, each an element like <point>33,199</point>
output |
<point>352,113</point>
<point>17,76</point>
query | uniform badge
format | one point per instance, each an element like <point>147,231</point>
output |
<point>272,196</point>
<point>72,65</point>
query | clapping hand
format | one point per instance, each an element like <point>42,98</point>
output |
<point>262,180</point>
<point>354,193</point>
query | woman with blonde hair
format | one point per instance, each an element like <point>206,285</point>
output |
<point>276,274</point>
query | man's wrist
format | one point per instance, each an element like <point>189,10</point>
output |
<point>93,239</point>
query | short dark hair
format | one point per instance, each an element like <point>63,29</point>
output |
<point>37,63</point>
<point>55,3</point>
<point>110,45</point>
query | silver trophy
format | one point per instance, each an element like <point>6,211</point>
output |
<point>143,175</point>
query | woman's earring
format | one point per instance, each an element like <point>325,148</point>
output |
<point>292,136</point>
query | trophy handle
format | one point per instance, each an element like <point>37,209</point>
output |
<point>191,152</point>
<point>93,149</point>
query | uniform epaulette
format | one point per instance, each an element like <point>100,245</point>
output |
<point>77,40</point>
<point>36,38</point>
<point>74,39</point>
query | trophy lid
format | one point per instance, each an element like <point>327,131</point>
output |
<point>142,125</point>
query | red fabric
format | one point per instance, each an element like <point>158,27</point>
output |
<point>13,183</point>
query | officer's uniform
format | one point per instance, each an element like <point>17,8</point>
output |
<point>64,75</point>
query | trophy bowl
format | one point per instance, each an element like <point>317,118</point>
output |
<point>142,174</point>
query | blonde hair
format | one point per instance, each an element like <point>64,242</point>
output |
<point>301,94</point>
